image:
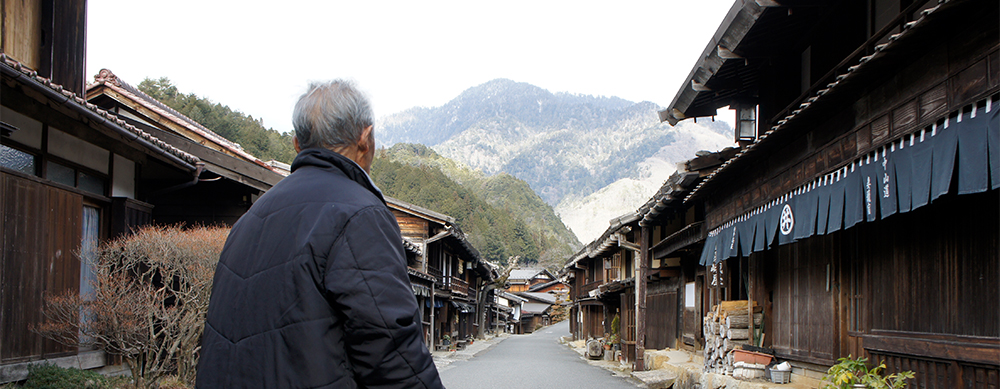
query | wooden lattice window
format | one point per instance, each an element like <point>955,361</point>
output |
<point>613,266</point>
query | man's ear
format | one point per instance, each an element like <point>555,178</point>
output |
<point>295,143</point>
<point>365,141</point>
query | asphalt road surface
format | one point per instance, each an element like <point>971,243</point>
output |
<point>536,360</point>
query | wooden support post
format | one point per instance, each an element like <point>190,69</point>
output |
<point>750,299</point>
<point>640,300</point>
<point>432,341</point>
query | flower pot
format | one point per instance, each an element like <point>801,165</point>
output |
<point>607,347</point>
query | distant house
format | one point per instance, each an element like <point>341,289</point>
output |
<point>74,174</point>
<point>535,311</point>
<point>506,313</point>
<point>521,280</point>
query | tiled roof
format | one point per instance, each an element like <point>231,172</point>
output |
<point>523,274</point>
<point>543,286</point>
<point>534,308</point>
<point>411,247</point>
<point>107,78</point>
<point>11,65</point>
<point>419,274</point>
<point>539,296</point>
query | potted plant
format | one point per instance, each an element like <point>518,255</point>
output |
<point>610,341</point>
<point>446,340</point>
<point>854,373</point>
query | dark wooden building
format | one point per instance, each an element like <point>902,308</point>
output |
<point>862,210</point>
<point>679,293</point>
<point>536,311</point>
<point>449,276</point>
<point>228,173</point>
<point>666,235</point>
<point>602,284</point>
<point>73,175</point>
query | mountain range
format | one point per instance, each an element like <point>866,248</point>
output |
<point>591,158</point>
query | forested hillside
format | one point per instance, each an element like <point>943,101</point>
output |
<point>407,168</point>
<point>495,233</point>
<point>264,143</point>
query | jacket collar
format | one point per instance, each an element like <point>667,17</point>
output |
<point>327,159</point>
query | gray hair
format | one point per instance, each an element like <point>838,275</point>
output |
<point>331,114</point>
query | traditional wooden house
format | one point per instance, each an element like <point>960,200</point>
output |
<point>861,211</point>
<point>448,276</point>
<point>675,281</point>
<point>505,313</point>
<point>73,175</point>
<point>228,169</point>
<point>602,284</point>
<point>536,311</point>
<point>521,280</point>
<point>603,274</point>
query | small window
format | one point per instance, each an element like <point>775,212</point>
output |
<point>90,183</point>
<point>15,159</point>
<point>61,174</point>
<point>72,177</point>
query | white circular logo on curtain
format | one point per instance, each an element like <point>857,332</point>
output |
<point>787,220</point>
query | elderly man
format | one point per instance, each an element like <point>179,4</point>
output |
<point>311,289</point>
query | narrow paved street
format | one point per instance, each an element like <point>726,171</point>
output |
<point>530,361</point>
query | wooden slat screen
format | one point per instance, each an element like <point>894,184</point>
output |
<point>661,321</point>
<point>803,324</point>
<point>40,240</point>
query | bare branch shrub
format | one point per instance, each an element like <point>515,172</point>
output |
<point>151,294</point>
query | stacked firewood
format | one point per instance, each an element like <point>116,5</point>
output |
<point>727,327</point>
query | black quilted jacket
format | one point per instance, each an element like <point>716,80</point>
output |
<point>311,290</point>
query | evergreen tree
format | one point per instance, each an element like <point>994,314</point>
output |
<point>263,143</point>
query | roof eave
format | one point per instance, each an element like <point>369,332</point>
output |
<point>734,27</point>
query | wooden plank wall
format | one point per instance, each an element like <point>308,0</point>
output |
<point>41,235</point>
<point>935,270</point>
<point>661,319</point>
<point>593,317</point>
<point>925,283</point>
<point>627,323</point>
<point>801,321</point>
<point>69,38</point>
<point>22,31</point>
<point>411,226</point>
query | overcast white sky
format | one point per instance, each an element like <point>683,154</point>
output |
<point>258,56</point>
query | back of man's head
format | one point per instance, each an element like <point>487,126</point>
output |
<point>331,114</point>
